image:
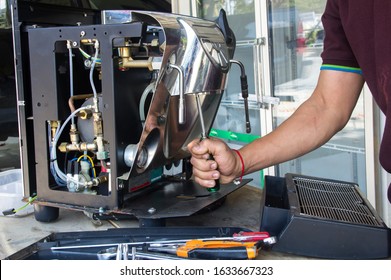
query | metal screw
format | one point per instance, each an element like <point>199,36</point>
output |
<point>161,120</point>
<point>82,34</point>
<point>151,210</point>
<point>74,44</point>
<point>87,63</point>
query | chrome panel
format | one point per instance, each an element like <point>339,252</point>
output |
<point>198,48</point>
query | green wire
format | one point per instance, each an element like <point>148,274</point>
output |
<point>86,55</point>
<point>31,199</point>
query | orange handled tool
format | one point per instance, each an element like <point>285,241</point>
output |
<point>226,250</point>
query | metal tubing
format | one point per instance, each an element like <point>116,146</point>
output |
<point>181,113</point>
<point>201,115</point>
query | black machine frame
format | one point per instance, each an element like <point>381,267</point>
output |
<point>26,15</point>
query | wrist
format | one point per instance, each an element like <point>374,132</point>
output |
<point>239,170</point>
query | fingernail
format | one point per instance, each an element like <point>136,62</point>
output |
<point>211,184</point>
<point>213,165</point>
<point>196,147</point>
<point>215,175</point>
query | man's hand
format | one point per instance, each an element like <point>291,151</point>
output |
<point>225,167</point>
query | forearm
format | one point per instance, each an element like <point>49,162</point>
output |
<point>303,132</point>
<point>313,123</point>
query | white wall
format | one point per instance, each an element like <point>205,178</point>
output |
<point>183,7</point>
<point>384,179</point>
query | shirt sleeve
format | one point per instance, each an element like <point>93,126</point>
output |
<point>337,53</point>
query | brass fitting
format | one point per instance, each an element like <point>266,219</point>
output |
<point>74,134</point>
<point>128,62</point>
<point>98,125</point>
<point>54,126</point>
<point>77,147</point>
<point>85,114</point>
<point>96,181</point>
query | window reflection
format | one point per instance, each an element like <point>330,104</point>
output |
<point>230,123</point>
<point>297,42</point>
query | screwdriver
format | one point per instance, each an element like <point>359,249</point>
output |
<point>204,136</point>
<point>210,250</point>
<point>243,236</point>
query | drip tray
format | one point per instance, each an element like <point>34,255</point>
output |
<point>322,218</point>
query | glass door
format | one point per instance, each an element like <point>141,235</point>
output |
<point>230,123</point>
<point>296,39</point>
<point>279,43</point>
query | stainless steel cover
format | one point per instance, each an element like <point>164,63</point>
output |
<point>195,61</point>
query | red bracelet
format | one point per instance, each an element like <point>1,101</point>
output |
<point>241,160</point>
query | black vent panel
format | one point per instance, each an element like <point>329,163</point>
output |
<point>322,218</point>
<point>333,200</point>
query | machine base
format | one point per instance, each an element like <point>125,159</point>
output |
<point>167,199</point>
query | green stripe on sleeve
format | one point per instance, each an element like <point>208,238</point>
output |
<point>341,68</point>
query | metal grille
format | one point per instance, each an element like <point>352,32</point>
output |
<point>334,201</point>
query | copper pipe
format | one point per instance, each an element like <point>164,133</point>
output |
<point>71,100</point>
<point>128,62</point>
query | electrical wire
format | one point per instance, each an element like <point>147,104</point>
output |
<point>86,55</point>
<point>149,89</point>
<point>53,152</point>
<point>92,71</point>
<point>91,161</point>
<point>71,74</point>
<point>57,179</point>
<point>31,200</point>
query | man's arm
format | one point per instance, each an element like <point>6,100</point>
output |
<point>325,113</point>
